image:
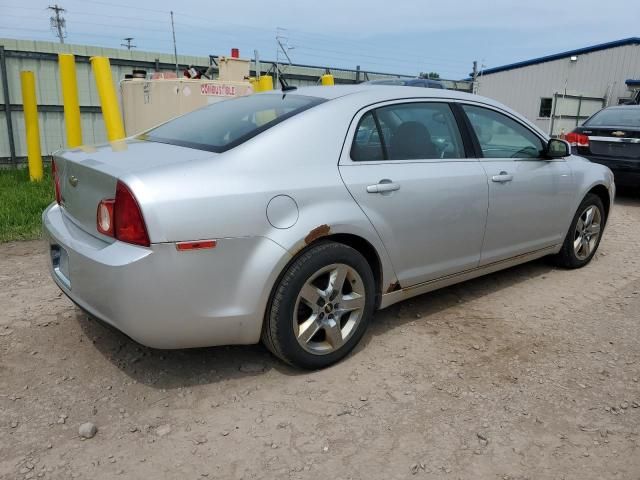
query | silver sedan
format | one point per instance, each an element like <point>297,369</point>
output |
<point>290,217</point>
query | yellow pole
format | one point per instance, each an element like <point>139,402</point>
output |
<point>327,79</point>
<point>108,98</point>
<point>30,107</point>
<point>69,84</point>
<point>265,83</point>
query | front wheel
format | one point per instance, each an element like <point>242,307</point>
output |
<point>584,235</point>
<point>321,307</point>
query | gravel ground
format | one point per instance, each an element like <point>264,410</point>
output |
<point>528,373</point>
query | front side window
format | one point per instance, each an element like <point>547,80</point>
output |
<point>226,124</point>
<point>408,131</point>
<point>500,136</point>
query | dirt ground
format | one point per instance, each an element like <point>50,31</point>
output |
<point>530,373</point>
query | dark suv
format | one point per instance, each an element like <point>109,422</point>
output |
<point>612,137</point>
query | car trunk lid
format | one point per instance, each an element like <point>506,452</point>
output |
<point>88,175</point>
<point>615,142</point>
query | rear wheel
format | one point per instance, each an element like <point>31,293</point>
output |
<point>584,235</point>
<point>321,307</point>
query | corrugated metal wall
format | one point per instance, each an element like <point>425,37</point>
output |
<point>595,74</point>
<point>25,55</point>
<point>41,58</point>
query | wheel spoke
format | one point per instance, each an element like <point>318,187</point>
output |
<point>308,329</point>
<point>589,216</point>
<point>311,295</point>
<point>350,302</point>
<point>336,280</point>
<point>333,333</point>
<point>586,247</point>
<point>577,243</point>
<point>579,225</point>
<point>594,229</point>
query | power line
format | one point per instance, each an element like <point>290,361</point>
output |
<point>254,28</point>
<point>58,22</point>
<point>354,55</point>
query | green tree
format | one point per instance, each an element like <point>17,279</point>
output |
<point>431,75</point>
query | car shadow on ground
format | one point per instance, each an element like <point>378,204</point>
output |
<point>168,369</point>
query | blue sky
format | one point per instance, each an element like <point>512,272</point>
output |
<point>399,37</point>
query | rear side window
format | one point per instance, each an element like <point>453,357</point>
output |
<point>616,117</point>
<point>367,145</point>
<point>226,124</point>
<point>408,131</point>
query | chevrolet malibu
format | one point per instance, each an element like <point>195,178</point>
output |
<point>291,217</point>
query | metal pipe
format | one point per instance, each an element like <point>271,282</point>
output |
<point>32,129</point>
<point>69,84</point>
<point>7,106</point>
<point>175,48</point>
<point>108,98</point>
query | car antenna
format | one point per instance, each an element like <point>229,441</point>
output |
<point>285,87</point>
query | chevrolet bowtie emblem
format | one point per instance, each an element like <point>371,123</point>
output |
<point>73,180</point>
<point>618,133</point>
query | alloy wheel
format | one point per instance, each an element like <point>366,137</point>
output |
<point>587,232</point>
<point>329,308</point>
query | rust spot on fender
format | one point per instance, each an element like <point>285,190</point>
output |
<point>316,233</point>
<point>394,287</point>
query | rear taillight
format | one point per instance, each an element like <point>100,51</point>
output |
<point>56,181</point>
<point>121,218</point>
<point>577,139</point>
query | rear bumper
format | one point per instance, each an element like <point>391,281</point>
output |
<point>625,171</point>
<point>163,298</point>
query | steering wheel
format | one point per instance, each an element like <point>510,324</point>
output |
<point>528,149</point>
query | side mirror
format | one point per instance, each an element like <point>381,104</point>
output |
<point>557,148</point>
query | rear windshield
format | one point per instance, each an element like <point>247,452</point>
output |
<point>226,124</point>
<point>616,117</point>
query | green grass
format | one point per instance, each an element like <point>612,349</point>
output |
<point>22,203</point>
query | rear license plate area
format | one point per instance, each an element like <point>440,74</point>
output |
<point>60,263</point>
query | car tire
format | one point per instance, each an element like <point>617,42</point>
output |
<point>320,307</point>
<point>582,240</point>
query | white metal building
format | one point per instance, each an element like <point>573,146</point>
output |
<point>557,92</point>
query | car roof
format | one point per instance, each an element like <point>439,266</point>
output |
<point>622,107</point>
<point>379,93</point>
<point>367,94</point>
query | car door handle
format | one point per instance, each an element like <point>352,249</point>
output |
<point>503,177</point>
<point>383,187</point>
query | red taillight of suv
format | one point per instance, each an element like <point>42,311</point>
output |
<point>56,181</point>
<point>577,139</point>
<point>121,218</point>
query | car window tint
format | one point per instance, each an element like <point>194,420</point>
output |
<point>366,144</point>
<point>226,124</point>
<point>500,136</point>
<point>426,130</point>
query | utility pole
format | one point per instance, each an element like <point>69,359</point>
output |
<point>256,55</point>
<point>175,49</point>
<point>58,23</point>
<point>128,44</point>
<point>474,85</point>
<point>282,45</point>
